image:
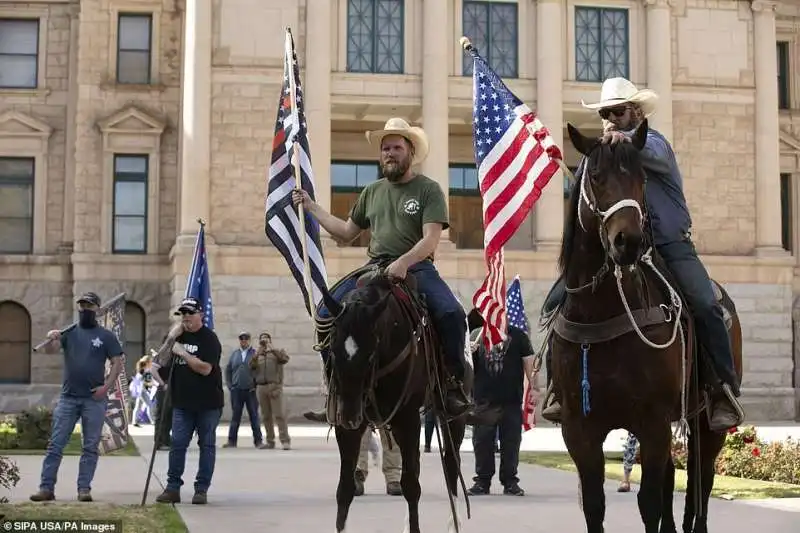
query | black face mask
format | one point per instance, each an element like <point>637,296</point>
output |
<point>87,318</point>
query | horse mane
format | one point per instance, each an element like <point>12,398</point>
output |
<point>603,159</point>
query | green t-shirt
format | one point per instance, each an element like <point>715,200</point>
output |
<point>396,212</point>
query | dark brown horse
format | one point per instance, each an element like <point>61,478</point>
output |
<point>383,367</point>
<point>623,343</point>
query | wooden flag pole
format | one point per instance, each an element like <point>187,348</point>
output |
<point>298,174</point>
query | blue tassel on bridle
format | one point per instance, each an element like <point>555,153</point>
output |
<point>585,381</point>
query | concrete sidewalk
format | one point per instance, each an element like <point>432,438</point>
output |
<point>294,491</point>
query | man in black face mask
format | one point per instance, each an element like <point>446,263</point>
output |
<point>84,395</point>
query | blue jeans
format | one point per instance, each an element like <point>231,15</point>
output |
<point>241,399</point>
<point>446,312</point>
<point>184,424</point>
<point>693,281</point>
<point>68,411</point>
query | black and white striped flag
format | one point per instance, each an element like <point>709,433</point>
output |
<point>282,224</point>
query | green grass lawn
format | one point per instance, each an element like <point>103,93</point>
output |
<point>738,488</point>
<point>157,518</point>
<point>73,447</point>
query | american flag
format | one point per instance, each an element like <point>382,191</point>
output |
<point>518,319</point>
<point>198,284</point>
<point>282,224</point>
<point>516,157</point>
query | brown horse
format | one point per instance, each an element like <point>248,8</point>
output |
<point>384,367</point>
<point>623,343</point>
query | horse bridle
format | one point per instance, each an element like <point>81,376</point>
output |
<point>588,197</point>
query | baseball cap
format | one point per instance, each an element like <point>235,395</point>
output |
<point>189,305</point>
<point>244,334</point>
<point>89,298</point>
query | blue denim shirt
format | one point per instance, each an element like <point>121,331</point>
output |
<point>666,205</point>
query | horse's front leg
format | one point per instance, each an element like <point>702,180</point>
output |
<point>668,490</point>
<point>349,441</point>
<point>655,452</point>
<point>710,445</point>
<point>405,428</point>
<point>586,451</point>
<point>452,437</point>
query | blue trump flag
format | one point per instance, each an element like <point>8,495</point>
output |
<point>515,307</point>
<point>198,285</point>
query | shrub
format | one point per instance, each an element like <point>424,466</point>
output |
<point>745,455</point>
<point>9,475</point>
<point>33,428</point>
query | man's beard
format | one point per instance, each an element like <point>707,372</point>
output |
<point>393,170</point>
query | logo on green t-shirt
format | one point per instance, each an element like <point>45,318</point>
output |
<point>411,206</point>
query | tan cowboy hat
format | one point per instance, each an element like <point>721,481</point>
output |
<point>397,126</point>
<point>616,91</point>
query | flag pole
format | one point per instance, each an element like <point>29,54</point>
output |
<point>298,175</point>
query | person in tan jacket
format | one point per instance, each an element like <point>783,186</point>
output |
<point>267,366</point>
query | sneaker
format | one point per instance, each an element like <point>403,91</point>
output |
<point>286,446</point>
<point>478,489</point>
<point>84,495</point>
<point>393,488</point>
<point>43,496</point>
<point>513,490</point>
<point>360,479</point>
<point>229,445</point>
<point>267,446</point>
<point>200,498</point>
<point>169,496</point>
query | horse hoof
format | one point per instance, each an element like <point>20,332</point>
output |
<point>451,525</point>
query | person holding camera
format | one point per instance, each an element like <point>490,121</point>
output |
<point>197,399</point>
<point>267,368</point>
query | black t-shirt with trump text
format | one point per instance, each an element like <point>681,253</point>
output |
<point>193,391</point>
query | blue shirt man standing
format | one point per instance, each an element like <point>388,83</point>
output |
<point>84,395</point>
<point>242,388</point>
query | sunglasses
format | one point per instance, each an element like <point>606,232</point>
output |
<point>190,313</point>
<point>617,111</point>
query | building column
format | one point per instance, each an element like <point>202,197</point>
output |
<point>195,138</point>
<point>549,209</point>
<point>659,62</point>
<point>435,114</point>
<point>768,189</point>
<point>317,91</point>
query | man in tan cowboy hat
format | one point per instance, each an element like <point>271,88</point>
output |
<point>623,108</point>
<point>406,213</point>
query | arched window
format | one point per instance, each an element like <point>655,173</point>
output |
<point>15,343</point>
<point>135,335</point>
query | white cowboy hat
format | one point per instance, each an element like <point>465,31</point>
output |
<point>616,91</point>
<point>397,126</point>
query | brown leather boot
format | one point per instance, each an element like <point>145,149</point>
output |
<point>43,496</point>
<point>551,411</point>
<point>726,411</point>
<point>456,401</point>
<point>317,416</point>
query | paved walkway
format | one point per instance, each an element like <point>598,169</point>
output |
<point>293,491</point>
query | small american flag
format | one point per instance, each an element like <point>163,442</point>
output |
<point>282,223</point>
<point>518,319</point>
<point>516,157</point>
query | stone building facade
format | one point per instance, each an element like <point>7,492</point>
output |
<point>124,121</point>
